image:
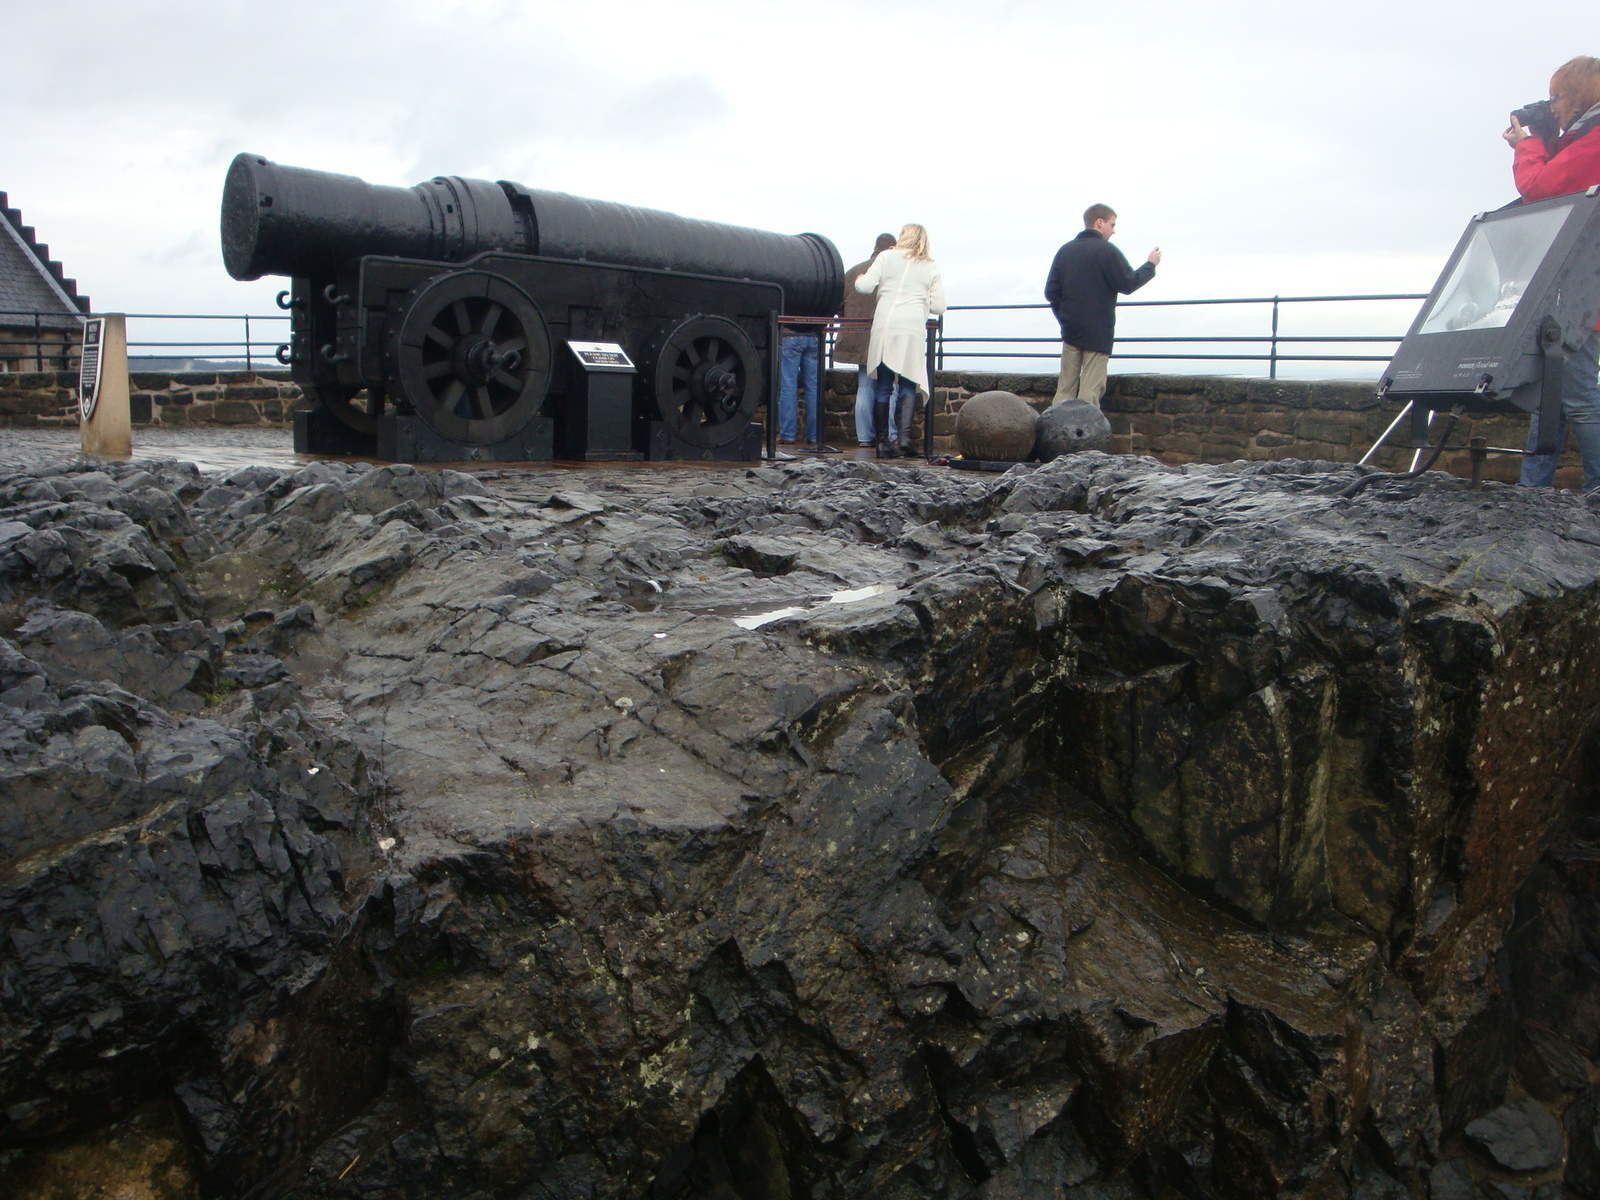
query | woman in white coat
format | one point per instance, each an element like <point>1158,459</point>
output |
<point>909,290</point>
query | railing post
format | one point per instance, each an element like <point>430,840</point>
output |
<point>38,344</point>
<point>248,364</point>
<point>1272,363</point>
<point>941,341</point>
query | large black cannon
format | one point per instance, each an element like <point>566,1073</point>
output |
<point>458,319</point>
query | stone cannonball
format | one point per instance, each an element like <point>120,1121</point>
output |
<point>997,427</point>
<point>1069,426</point>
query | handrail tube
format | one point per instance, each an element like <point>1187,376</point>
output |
<point>994,347</point>
<point>1199,357</point>
<point>1220,300</point>
<point>1218,338</point>
<point>28,312</point>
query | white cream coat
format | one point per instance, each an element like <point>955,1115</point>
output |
<point>908,293</point>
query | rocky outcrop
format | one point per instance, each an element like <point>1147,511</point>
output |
<point>1099,829</point>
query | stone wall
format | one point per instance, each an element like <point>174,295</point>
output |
<point>1176,418</point>
<point>164,399</point>
<point>1216,418</point>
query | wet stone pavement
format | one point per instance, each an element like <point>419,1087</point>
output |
<point>224,450</point>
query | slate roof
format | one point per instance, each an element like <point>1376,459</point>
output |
<point>30,281</point>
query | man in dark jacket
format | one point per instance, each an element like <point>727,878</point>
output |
<point>1082,289</point>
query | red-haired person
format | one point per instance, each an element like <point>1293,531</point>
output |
<point>1572,164</point>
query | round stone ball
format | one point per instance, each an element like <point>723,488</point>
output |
<point>996,427</point>
<point>1069,426</point>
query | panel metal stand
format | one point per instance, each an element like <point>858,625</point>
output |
<point>596,422</point>
<point>318,431</point>
<point>1555,372</point>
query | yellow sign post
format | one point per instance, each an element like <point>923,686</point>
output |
<point>104,424</point>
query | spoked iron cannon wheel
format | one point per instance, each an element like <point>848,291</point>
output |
<point>708,381</point>
<point>473,356</point>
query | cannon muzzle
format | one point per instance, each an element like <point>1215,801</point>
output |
<point>293,221</point>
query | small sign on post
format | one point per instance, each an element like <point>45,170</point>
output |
<point>104,423</point>
<point>596,423</point>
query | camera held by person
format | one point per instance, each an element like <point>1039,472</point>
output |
<point>1540,120</point>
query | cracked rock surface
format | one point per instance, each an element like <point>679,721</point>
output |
<point>1096,830</point>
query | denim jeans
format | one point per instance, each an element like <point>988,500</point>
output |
<point>866,388</point>
<point>799,355</point>
<point>1580,408</point>
<point>891,390</point>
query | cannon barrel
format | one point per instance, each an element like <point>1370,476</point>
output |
<point>279,220</point>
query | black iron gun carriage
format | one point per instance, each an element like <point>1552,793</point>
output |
<point>467,320</point>
<point>1518,295</point>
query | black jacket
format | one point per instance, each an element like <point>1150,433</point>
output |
<point>1082,289</point>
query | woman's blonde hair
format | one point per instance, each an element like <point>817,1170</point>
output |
<point>914,241</point>
<point>1580,79</point>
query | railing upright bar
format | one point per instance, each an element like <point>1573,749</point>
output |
<point>1272,369</point>
<point>250,366</point>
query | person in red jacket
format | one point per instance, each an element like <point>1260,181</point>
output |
<point>1541,171</point>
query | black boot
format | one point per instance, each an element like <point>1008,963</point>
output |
<point>908,410</point>
<point>880,428</point>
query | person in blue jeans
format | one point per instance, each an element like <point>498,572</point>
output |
<point>797,365</point>
<point>850,347</point>
<point>1580,408</point>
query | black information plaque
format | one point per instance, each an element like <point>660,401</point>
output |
<point>602,355</point>
<point>89,366</point>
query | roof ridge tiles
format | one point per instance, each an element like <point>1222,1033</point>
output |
<point>40,253</point>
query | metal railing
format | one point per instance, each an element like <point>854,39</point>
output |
<point>43,337</point>
<point>26,335</point>
<point>1272,340</point>
<point>248,347</point>
<point>37,340</point>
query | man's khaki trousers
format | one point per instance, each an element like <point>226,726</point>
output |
<point>1083,375</point>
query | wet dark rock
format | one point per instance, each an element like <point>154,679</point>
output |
<point>1581,1123</point>
<point>764,556</point>
<point>1520,1136</point>
<point>1098,829</point>
<point>171,665</point>
<point>1454,1181</point>
<point>254,670</point>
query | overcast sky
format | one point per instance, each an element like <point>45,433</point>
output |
<point>1267,147</point>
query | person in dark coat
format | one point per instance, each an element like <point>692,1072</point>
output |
<point>851,344</point>
<point>1085,278</point>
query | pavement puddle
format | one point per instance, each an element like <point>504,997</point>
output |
<point>849,596</point>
